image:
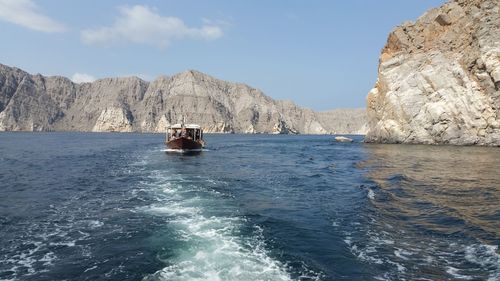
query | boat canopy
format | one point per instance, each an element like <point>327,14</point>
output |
<point>187,126</point>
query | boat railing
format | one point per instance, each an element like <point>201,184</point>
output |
<point>191,133</point>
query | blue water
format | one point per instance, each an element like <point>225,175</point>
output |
<point>81,206</point>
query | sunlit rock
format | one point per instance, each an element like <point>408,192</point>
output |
<point>439,78</point>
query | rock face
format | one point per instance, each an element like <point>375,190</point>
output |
<point>439,78</point>
<point>38,103</point>
<point>114,119</point>
<point>344,121</point>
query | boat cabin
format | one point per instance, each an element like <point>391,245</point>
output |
<point>189,131</point>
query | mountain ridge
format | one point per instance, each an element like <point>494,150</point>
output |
<point>130,104</point>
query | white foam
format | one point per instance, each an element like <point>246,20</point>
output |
<point>26,260</point>
<point>402,254</point>
<point>348,241</point>
<point>90,268</point>
<point>95,223</point>
<point>399,266</point>
<point>48,259</point>
<point>173,210</point>
<point>371,194</point>
<point>215,249</point>
<point>184,150</point>
<point>486,257</point>
<point>216,254</point>
<point>455,273</point>
<point>67,244</point>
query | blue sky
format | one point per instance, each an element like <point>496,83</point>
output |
<point>320,54</point>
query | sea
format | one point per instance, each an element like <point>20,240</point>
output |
<point>119,206</point>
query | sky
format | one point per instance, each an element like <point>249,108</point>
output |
<point>319,54</point>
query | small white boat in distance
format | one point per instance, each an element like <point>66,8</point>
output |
<point>343,139</point>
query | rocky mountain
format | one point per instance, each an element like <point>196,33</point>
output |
<point>37,103</point>
<point>439,78</point>
<point>338,121</point>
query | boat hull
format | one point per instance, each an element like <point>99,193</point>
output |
<point>184,144</point>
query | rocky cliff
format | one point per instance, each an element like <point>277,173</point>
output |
<point>439,78</point>
<point>37,103</point>
<point>338,121</point>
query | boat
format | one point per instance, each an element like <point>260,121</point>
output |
<point>343,139</point>
<point>183,137</point>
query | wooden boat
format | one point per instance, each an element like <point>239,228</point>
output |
<point>185,137</point>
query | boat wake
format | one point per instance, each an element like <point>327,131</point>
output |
<point>169,150</point>
<point>212,241</point>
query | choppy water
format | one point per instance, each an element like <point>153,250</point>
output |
<point>77,206</point>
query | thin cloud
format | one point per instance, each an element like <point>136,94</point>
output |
<point>143,25</point>
<point>216,22</point>
<point>82,78</point>
<point>26,13</point>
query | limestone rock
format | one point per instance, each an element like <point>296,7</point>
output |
<point>344,121</point>
<point>162,125</point>
<point>34,102</point>
<point>439,78</point>
<point>113,119</point>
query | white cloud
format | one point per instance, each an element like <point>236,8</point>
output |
<point>26,13</point>
<point>140,24</point>
<point>82,78</point>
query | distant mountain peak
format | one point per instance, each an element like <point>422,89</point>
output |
<point>132,104</point>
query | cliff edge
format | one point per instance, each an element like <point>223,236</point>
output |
<point>439,78</point>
